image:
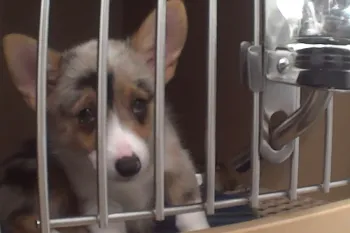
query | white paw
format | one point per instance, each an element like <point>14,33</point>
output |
<point>191,221</point>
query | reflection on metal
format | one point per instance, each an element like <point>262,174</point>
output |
<point>301,47</point>
<point>278,97</point>
<point>317,18</point>
<point>306,44</point>
<point>301,119</point>
<point>315,37</point>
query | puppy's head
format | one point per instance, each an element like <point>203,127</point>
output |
<point>72,86</point>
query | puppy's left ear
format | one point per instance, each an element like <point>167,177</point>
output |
<point>143,41</point>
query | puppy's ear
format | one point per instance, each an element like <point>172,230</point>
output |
<point>143,41</point>
<point>21,58</point>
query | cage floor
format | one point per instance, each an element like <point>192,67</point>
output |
<point>284,205</point>
<point>244,213</point>
<point>239,214</point>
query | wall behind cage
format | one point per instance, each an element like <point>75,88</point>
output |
<point>72,23</point>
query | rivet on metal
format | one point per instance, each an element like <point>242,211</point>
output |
<point>283,64</point>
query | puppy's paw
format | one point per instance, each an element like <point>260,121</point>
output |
<point>192,221</point>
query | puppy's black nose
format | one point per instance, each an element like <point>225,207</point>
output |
<point>128,166</point>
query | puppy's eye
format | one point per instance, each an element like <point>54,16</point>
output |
<point>139,108</point>
<point>86,117</point>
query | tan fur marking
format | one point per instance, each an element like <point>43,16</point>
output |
<point>126,91</point>
<point>70,126</point>
<point>87,140</point>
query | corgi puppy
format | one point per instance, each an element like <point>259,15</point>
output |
<point>71,116</point>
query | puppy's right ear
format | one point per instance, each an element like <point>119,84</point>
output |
<point>21,58</point>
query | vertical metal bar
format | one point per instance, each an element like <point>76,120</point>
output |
<point>259,14</point>
<point>255,151</point>
<point>159,108</point>
<point>255,143</point>
<point>293,194</point>
<point>328,147</point>
<point>102,113</point>
<point>41,116</point>
<point>211,106</point>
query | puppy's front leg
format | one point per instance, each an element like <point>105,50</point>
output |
<point>182,189</point>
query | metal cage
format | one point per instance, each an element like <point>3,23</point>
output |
<point>284,140</point>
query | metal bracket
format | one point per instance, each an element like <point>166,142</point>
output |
<point>277,144</point>
<point>277,97</point>
<point>280,70</point>
<point>251,67</point>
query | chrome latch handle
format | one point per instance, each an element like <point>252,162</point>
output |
<point>297,123</point>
